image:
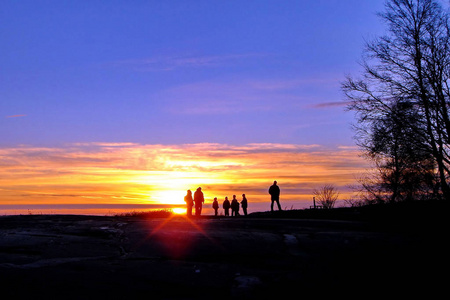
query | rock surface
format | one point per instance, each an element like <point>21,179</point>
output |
<point>89,257</point>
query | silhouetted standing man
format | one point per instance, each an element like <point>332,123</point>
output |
<point>226,206</point>
<point>244,204</point>
<point>189,203</point>
<point>274,192</point>
<point>215,205</point>
<point>198,199</point>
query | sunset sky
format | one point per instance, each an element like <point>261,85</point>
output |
<point>134,102</point>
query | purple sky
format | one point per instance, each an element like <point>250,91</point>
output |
<point>176,72</point>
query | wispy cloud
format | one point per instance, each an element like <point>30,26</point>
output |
<point>128,173</point>
<point>172,62</point>
<point>237,96</point>
<point>16,116</point>
<point>331,104</point>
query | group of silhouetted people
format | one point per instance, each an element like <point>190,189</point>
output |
<point>234,205</point>
<point>198,199</point>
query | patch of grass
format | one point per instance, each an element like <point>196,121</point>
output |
<point>159,213</point>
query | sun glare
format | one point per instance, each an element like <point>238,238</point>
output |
<point>179,210</point>
<point>169,197</point>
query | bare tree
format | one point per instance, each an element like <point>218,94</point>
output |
<point>326,195</point>
<point>404,94</point>
<point>405,167</point>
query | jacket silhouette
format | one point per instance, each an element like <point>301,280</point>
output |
<point>189,203</point>
<point>274,192</point>
<point>244,204</point>
<point>198,199</point>
<point>215,206</point>
<point>234,206</point>
<point>226,206</point>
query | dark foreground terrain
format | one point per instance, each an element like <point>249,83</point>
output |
<point>265,256</point>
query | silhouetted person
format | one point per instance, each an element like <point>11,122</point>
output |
<point>189,203</point>
<point>198,199</point>
<point>215,205</point>
<point>274,192</point>
<point>226,206</point>
<point>234,206</point>
<point>244,204</point>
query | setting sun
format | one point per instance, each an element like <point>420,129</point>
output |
<point>149,176</point>
<point>179,210</point>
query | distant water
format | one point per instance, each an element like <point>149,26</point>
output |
<point>114,209</point>
<point>80,209</point>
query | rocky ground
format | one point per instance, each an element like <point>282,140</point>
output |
<point>90,257</point>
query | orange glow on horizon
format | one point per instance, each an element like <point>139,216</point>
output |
<point>96,173</point>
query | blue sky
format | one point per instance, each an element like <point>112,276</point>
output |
<point>177,72</point>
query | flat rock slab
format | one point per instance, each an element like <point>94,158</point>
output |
<point>89,257</point>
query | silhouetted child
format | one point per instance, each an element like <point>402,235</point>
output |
<point>244,204</point>
<point>234,206</point>
<point>226,206</point>
<point>215,205</point>
<point>189,203</point>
